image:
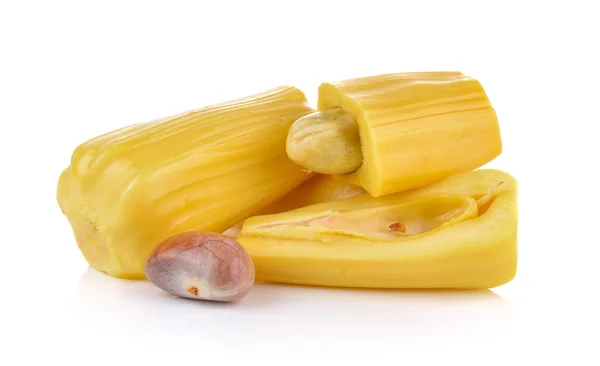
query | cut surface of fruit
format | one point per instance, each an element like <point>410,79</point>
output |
<point>386,223</point>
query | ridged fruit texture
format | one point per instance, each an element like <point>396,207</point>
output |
<point>416,128</point>
<point>127,191</point>
<point>458,233</point>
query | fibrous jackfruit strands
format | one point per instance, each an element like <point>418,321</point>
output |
<point>458,233</point>
<point>128,190</point>
<point>415,128</point>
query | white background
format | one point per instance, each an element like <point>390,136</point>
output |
<point>72,70</point>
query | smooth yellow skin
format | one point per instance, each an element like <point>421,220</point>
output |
<point>127,191</point>
<point>325,142</point>
<point>458,233</point>
<point>415,128</point>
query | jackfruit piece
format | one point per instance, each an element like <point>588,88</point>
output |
<point>128,190</point>
<point>394,132</point>
<point>458,233</point>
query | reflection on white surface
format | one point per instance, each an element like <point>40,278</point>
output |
<point>110,305</point>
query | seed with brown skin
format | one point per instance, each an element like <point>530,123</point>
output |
<point>203,266</point>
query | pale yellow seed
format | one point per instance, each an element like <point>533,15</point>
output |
<point>325,142</point>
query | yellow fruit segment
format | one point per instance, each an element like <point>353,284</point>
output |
<point>460,232</point>
<point>414,128</point>
<point>208,169</point>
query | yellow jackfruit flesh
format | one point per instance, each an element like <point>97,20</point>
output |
<point>460,232</point>
<point>208,169</point>
<point>413,129</point>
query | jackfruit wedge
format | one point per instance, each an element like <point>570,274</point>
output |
<point>389,133</point>
<point>128,190</point>
<point>459,233</point>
